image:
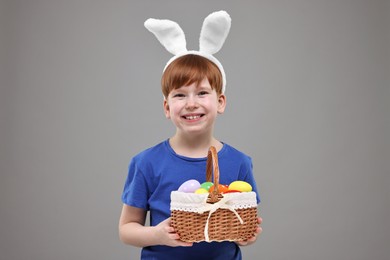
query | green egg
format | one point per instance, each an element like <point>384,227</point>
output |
<point>206,185</point>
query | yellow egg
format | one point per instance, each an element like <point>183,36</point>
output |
<point>201,191</point>
<point>241,186</point>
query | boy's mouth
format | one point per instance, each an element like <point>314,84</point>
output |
<point>192,116</point>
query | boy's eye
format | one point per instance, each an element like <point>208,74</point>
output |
<point>178,95</point>
<point>203,93</point>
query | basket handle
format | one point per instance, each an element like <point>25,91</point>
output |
<point>212,169</point>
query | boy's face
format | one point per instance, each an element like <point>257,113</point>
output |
<point>194,108</point>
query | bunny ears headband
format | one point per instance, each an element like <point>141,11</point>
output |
<point>214,31</point>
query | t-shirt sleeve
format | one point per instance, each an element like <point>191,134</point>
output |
<point>248,176</point>
<point>136,191</point>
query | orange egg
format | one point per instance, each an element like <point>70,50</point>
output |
<point>222,188</point>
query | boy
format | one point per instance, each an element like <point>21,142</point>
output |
<point>193,88</point>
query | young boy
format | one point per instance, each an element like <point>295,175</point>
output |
<point>193,86</point>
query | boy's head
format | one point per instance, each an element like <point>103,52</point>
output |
<point>189,66</point>
<point>188,69</point>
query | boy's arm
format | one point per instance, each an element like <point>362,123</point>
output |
<point>132,230</point>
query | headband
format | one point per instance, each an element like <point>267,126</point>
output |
<point>214,31</point>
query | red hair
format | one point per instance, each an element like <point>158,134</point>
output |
<point>190,69</point>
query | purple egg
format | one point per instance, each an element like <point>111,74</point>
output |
<point>189,186</point>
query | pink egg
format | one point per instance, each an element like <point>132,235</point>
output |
<point>189,186</point>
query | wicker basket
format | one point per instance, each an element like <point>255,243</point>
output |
<point>214,217</point>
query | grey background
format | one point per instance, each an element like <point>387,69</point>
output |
<point>308,99</point>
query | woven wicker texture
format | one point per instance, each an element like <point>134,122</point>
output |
<point>223,224</point>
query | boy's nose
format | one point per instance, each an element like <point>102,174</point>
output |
<point>191,103</point>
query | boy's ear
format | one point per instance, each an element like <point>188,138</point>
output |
<point>221,104</point>
<point>166,109</point>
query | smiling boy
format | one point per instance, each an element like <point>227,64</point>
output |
<point>193,85</point>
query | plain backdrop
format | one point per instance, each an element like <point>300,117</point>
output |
<point>308,91</point>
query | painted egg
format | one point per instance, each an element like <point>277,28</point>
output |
<point>240,186</point>
<point>206,185</point>
<point>189,186</point>
<point>232,191</point>
<point>201,191</point>
<point>222,188</point>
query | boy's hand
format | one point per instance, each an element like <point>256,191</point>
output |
<point>167,235</point>
<point>252,239</point>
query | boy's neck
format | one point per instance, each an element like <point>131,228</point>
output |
<point>194,146</point>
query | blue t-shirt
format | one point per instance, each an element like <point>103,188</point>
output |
<point>157,171</point>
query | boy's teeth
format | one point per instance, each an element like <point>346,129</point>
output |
<point>192,117</point>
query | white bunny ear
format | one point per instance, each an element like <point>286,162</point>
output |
<point>169,33</point>
<point>214,31</point>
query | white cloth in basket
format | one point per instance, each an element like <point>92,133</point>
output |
<point>192,202</point>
